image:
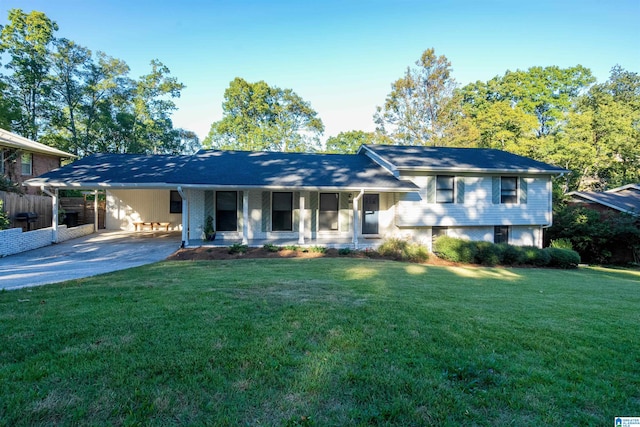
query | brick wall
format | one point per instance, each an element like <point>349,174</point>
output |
<point>14,240</point>
<point>40,164</point>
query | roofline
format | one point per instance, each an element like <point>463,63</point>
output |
<point>381,161</point>
<point>603,203</point>
<point>13,140</point>
<point>624,187</point>
<point>163,185</point>
<point>484,170</point>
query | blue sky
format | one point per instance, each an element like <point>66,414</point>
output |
<point>341,56</point>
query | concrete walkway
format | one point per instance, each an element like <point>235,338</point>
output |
<point>91,255</point>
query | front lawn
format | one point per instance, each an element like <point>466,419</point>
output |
<point>323,342</point>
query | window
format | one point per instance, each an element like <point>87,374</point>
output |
<point>437,232</point>
<point>282,212</point>
<point>226,210</point>
<point>501,234</point>
<point>26,163</point>
<point>444,188</point>
<point>328,217</point>
<point>508,189</point>
<point>175,202</point>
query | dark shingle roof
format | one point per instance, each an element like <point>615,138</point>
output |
<point>457,159</point>
<point>287,170</point>
<point>626,199</point>
<point>114,170</point>
<point>212,168</point>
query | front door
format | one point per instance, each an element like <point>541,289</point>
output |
<point>370,208</point>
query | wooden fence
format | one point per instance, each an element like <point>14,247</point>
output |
<point>13,204</point>
<point>77,210</point>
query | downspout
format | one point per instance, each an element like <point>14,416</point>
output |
<point>54,213</point>
<point>185,218</point>
<point>356,222</point>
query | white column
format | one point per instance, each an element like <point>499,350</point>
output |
<point>185,217</point>
<point>55,206</point>
<point>95,211</point>
<point>301,222</point>
<point>245,217</point>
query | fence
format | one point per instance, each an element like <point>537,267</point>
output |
<point>15,203</point>
<point>77,210</point>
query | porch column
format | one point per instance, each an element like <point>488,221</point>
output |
<point>356,219</point>
<point>301,221</point>
<point>245,217</point>
<point>95,211</point>
<point>55,206</point>
<point>185,217</point>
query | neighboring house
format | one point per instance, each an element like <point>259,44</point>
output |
<point>325,199</point>
<point>22,158</point>
<point>625,199</point>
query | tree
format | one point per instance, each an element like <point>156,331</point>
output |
<point>413,111</point>
<point>27,41</point>
<point>260,117</point>
<point>348,142</point>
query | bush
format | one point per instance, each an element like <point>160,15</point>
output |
<point>511,255</point>
<point>238,248</point>
<point>455,250</point>
<point>270,247</point>
<point>344,251</point>
<point>317,249</point>
<point>4,218</point>
<point>563,258</point>
<point>488,253</point>
<point>403,250</point>
<point>562,243</point>
<point>532,255</point>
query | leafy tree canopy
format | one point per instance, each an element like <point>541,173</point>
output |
<point>349,142</point>
<point>260,117</point>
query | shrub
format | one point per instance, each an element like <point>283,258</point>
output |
<point>344,251</point>
<point>532,255</point>
<point>403,250</point>
<point>4,218</point>
<point>455,250</point>
<point>270,247</point>
<point>318,249</point>
<point>238,248</point>
<point>292,247</point>
<point>563,258</point>
<point>511,255</point>
<point>562,243</point>
<point>488,253</point>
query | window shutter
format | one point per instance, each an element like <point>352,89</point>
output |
<point>266,210</point>
<point>495,190</point>
<point>431,189</point>
<point>344,211</point>
<point>313,206</point>
<point>296,211</point>
<point>523,191</point>
<point>460,190</point>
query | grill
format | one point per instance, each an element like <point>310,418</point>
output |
<point>28,217</point>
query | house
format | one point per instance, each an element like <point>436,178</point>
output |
<point>625,199</point>
<point>22,158</point>
<point>323,199</point>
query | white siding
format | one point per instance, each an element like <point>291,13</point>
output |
<point>413,209</point>
<point>196,213</point>
<point>124,207</point>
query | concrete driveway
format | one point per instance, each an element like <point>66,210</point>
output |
<point>91,255</point>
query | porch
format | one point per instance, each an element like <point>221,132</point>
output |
<point>329,243</point>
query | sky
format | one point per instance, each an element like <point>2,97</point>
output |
<point>341,56</point>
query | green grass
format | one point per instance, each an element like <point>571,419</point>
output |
<point>323,342</point>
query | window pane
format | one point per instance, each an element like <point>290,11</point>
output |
<point>25,161</point>
<point>226,211</point>
<point>328,201</point>
<point>501,234</point>
<point>282,212</point>
<point>444,189</point>
<point>175,202</point>
<point>226,200</point>
<point>509,189</point>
